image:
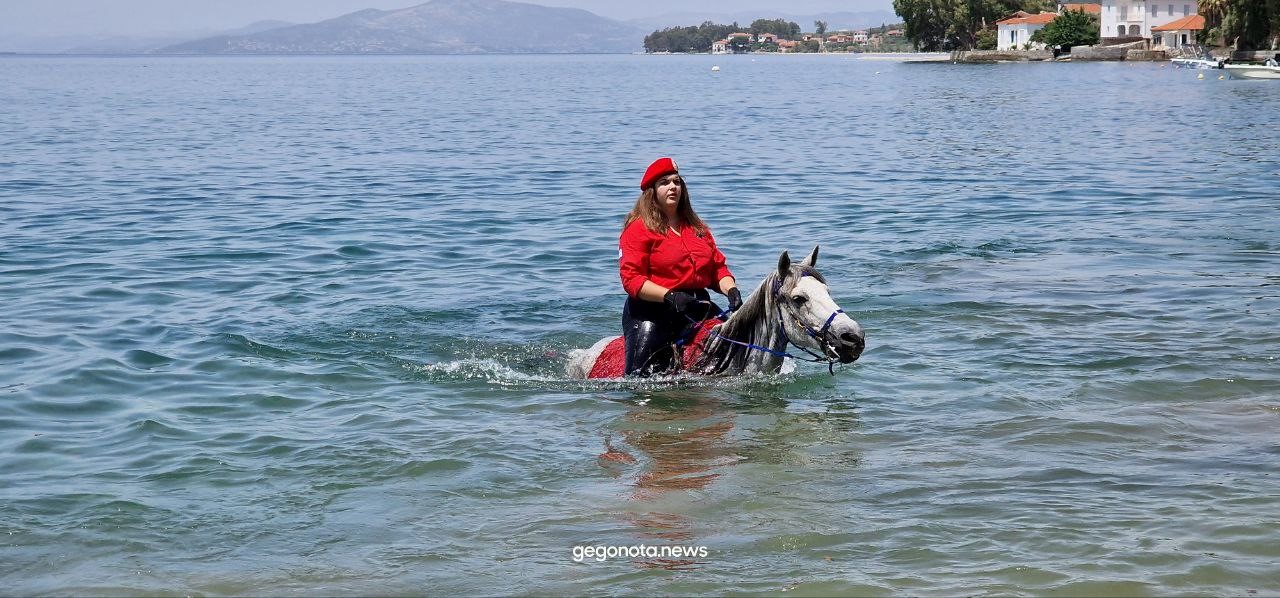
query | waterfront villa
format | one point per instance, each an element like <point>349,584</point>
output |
<point>1176,34</point>
<point>1133,20</point>
<point>1014,33</point>
<point>742,41</point>
<point>725,46</point>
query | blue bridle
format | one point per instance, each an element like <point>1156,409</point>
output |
<point>818,335</point>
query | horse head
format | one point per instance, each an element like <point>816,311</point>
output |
<point>809,316</point>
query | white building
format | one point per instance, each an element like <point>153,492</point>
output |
<point>1014,33</point>
<point>1176,34</point>
<point>720,46</point>
<point>1135,18</point>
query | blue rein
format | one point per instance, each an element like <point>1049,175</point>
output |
<point>783,329</point>
<point>692,332</point>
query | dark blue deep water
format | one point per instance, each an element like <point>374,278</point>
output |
<point>299,325</point>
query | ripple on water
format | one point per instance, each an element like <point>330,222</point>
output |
<point>337,366</point>
<point>357,251</point>
<point>17,355</point>
<point>79,407</point>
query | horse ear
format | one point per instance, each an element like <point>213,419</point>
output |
<point>812,260</point>
<point>784,265</point>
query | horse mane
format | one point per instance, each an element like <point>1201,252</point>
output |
<point>750,324</point>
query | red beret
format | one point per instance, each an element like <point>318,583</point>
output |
<point>660,167</point>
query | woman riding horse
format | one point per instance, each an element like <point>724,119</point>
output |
<point>667,260</point>
<point>791,308</point>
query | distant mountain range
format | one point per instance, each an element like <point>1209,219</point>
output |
<point>437,27</point>
<point>123,44</point>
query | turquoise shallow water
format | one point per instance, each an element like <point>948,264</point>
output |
<point>298,326</point>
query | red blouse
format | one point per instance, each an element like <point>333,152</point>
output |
<point>687,261</point>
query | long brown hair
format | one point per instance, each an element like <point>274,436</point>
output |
<point>647,209</point>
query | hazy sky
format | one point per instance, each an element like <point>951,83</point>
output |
<point>30,18</point>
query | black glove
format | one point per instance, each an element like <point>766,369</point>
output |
<point>735,299</point>
<point>679,300</point>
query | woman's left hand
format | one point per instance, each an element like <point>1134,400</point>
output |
<point>735,298</point>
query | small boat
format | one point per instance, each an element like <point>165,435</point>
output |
<point>1252,71</point>
<point>1195,56</point>
<point>1196,63</point>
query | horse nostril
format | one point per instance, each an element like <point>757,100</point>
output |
<point>855,342</point>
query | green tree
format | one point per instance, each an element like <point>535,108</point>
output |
<point>954,24</point>
<point>987,40</point>
<point>1273,11</point>
<point>1243,24</point>
<point>926,22</point>
<point>779,27</point>
<point>820,28</point>
<point>1251,24</point>
<point>1214,11</point>
<point>1071,28</point>
<point>687,39</point>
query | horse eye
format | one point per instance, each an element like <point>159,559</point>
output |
<point>798,299</point>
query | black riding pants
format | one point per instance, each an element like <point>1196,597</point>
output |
<point>649,329</point>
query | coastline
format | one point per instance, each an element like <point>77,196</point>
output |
<point>906,56</point>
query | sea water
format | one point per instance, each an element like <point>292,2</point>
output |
<point>298,325</point>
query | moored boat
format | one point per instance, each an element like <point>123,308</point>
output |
<point>1252,71</point>
<point>1194,56</point>
<point>1196,63</point>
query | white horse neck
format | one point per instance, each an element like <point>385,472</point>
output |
<point>755,323</point>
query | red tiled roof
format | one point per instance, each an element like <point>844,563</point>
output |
<point>1089,8</point>
<point>1041,19</point>
<point>1187,23</point>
